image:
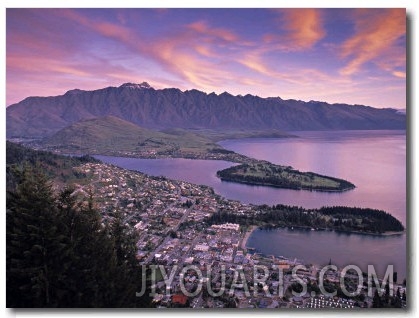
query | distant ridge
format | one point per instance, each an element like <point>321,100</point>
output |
<point>142,105</point>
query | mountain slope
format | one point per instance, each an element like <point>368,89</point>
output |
<point>112,135</point>
<point>142,105</point>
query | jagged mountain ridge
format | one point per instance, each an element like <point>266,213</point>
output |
<point>37,117</point>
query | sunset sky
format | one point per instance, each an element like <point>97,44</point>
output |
<point>354,56</point>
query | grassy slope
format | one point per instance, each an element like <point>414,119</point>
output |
<point>217,135</point>
<point>109,134</point>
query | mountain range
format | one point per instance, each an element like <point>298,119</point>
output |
<point>160,109</point>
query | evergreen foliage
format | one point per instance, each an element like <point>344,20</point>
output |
<point>59,254</point>
<point>54,166</point>
<point>268,174</point>
<point>337,218</point>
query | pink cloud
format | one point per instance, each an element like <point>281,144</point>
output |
<point>204,50</point>
<point>201,55</point>
<point>201,27</point>
<point>113,31</point>
<point>399,74</point>
<point>42,65</point>
<point>376,33</point>
<point>183,53</point>
<point>107,29</point>
<point>303,29</point>
<point>255,61</point>
<point>290,73</point>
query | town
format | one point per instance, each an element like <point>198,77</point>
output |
<point>209,266</point>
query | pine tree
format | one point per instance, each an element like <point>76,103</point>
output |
<point>387,293</point>
<point>94,264</point>
<point>129,275</point>
<point>36,247</point>
<point>396,301</point>
<point>376,301</point>
<point>395,277</point>
<point>87,240</point>
<point>59,254</point>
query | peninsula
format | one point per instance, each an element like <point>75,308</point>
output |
<point>264,173</point>
<point>113,136</point>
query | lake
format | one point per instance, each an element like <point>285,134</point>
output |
<point>319,247</point>
<point>375,161</point>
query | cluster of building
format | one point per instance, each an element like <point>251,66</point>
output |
<point>325,302</point>
<point>199,265</point>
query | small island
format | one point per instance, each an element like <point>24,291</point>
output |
<point>264,173</point>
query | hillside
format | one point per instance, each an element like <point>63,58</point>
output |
<point>57,167</point>
<point>140,104</point>
<point>114,136</point>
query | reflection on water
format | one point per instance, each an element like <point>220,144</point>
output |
<point>375,161</point>
<point>318,247</point>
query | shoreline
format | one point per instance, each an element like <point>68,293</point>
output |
<point>261,184</point>
<point>307,228</point>
<point>246,237</point>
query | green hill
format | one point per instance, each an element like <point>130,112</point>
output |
<point>113,136</point>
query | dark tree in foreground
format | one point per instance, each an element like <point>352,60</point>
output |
<point>376,302</point>
<point>36,247</point>
<point>59,254</point>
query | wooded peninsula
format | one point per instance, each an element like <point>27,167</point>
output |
<point>338,218</point>
<point>264,173</point>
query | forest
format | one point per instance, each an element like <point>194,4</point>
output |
<point>59,252</point>
<point>339,218</point>
<point>57,167</point>
<point>267,174</point>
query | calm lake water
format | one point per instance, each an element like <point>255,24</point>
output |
<point>318,247</point>
<point>375,161</point>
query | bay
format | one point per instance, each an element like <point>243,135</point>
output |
<point>341,249</point>
<point>375,161</point>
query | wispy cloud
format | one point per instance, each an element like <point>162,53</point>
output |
<point>399,74</point>
<point>303,29</point>
<point>107,29</point>
<point>256,62</point>
<point>42,65</point>
<point>184,51</point>
<point>201,27</point>
<point>376,32</point>
<point>293,53</point>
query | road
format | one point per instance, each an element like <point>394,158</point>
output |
<point>169,230</point>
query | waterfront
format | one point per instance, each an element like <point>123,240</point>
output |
<point>342,249</point>
<point>373,160</point>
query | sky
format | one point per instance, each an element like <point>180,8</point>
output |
<point>353,56</point>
